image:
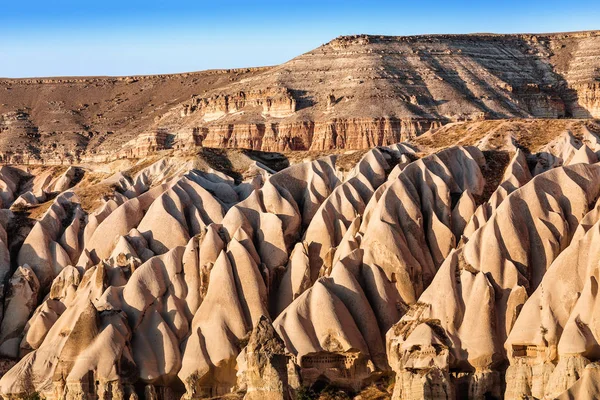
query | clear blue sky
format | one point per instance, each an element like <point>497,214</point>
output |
<point>85,37</point>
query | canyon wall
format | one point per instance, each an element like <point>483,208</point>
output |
<point>351,93</point>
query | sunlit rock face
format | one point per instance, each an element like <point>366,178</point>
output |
<point>469,272</point>
<point>354,92</point>
<point>353,232</point>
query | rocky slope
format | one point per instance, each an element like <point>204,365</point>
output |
<point>422,270</point>
<point>354,92</point>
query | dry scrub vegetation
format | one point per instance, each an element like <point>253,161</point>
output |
<point>91,197</point>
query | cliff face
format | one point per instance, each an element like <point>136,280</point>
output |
<point>351,133</point>
<point>277,103</point>
<point>353,92</point>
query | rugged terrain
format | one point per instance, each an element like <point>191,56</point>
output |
<point>381,218</point>
<point>354,92</point>
<point>462,264</point>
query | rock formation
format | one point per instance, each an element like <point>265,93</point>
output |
<point>324,256</point>
<point>467,272</point>
<point>355,92</point>
<point>264,369</point>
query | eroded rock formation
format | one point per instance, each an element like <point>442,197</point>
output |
<point>354,92</point>
<point>460,264</point>
<point>459,276</point>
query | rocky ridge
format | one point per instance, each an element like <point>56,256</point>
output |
<point>379,218</point>
<point>447,270</point>
<point>354,92</point>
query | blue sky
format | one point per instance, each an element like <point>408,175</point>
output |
<point>66,38</point>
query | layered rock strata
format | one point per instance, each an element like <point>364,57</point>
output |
<point>354,92</point>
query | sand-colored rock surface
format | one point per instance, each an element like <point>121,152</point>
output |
<point>354,92</point>
<point>310,252</point>
<point>467,272</point>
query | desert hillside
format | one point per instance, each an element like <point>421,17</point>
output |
<point>354,92</point>
<point>382,218</point>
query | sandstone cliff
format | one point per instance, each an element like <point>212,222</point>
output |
<point>354,92</point>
